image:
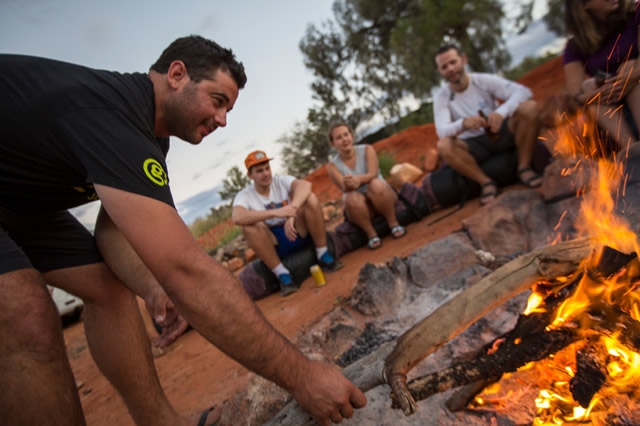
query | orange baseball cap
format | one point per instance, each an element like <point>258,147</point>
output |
<point>256,157</point>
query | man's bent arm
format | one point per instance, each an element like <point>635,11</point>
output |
<point>242,216</point>
<point>127,266</point>
<point>207,294</point>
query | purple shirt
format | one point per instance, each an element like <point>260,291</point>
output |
<point>615,50</point>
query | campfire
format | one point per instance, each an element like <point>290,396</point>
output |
<point>578,341</point>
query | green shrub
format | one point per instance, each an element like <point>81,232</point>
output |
<point>217,215</point>
<point>386,161</point>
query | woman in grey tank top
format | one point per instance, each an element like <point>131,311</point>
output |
<point>365,193</point>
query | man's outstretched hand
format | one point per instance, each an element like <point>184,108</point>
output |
<point>327,395</point>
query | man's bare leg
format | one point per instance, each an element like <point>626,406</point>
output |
<point>118,341</point>
<point>38,386</point>
<point>525,126</point>
<point>310,220</point>
<point>456,153</point>
<point>262,241</point>
<point>383,199</point>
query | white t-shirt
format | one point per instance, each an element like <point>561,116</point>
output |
<point>279,196</point>
<point>482,93</point>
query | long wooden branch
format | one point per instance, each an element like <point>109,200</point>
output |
<point>393,359</point>
<point>467,307</point>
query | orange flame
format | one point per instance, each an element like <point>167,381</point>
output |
<point>579,144</point>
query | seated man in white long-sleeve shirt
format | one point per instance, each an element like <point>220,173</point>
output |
<point>478,115</point>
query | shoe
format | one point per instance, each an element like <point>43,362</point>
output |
<point>328,263</point>
<point>287,286</point>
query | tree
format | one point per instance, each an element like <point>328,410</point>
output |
<point>235,181</point>
<point>373,53</point>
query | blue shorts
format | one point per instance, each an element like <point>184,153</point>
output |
<point>286,247</point>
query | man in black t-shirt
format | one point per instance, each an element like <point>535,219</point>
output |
<point>70,135</point>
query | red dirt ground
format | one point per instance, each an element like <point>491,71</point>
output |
<point>196,375</point>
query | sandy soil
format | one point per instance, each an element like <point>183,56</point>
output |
<point>196,375</point>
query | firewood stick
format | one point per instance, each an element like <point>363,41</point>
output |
<point>509,357</point>
<point>457,314</point>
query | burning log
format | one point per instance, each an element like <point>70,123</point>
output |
<point>510,356</point>
<point>460,312</point>
<point>530,340</point>
<point>591,372</point>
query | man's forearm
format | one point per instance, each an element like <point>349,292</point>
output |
<point>226,319</point>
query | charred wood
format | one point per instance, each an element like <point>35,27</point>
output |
<point>591,372</point>
<point>510,356</point>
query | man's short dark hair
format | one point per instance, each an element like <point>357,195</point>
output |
<point>446,48</point>
<point>202,58</point>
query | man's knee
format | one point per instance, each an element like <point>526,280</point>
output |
<point>257,234</point>
<point>311,203</point>
<point>445,146</point>
<point>528,112</point>
<point>29,318</point>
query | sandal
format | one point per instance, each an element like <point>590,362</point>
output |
<point>374,243</point>
<point>202,421</point>
<point>534,181</point>
<point>489,192</point>
<point>398,231</point>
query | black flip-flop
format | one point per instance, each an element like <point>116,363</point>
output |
<point>529,183</point>
<point>203,418</point>
<point>490,195</point>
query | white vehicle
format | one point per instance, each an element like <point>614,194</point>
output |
<point>67,304</point>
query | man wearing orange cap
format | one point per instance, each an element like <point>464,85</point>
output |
<point>279,215</point>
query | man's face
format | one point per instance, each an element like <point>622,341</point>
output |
<point>261,174</point>
<point>197,109</point>
<point>451,66</point>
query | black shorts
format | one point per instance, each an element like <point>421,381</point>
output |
<point>482,147</point>
<point>44,241</point>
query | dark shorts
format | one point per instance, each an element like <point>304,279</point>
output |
<point>628,116</point>
<point>45,241</point>
<point>286,247</point>
<point>482,147</point>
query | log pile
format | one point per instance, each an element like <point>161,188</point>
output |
<point>532,340</point>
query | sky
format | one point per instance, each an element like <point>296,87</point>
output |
<point>128,36</point>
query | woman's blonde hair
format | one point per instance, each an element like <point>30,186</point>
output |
<point>585,32</point>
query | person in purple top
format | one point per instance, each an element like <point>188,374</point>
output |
<point>603,46</point>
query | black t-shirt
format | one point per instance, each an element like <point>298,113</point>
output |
<point>64,127</point>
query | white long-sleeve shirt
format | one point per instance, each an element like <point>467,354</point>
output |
<point>483,93</point>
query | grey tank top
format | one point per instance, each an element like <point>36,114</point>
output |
<point>360,167</point>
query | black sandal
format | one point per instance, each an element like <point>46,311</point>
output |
<point>488,195</point>
<point>533,182</point>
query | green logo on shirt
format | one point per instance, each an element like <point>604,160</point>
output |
<point>154,171</point>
